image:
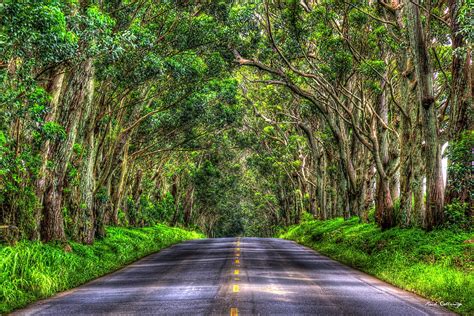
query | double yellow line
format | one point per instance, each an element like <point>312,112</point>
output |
<point>235,287</point>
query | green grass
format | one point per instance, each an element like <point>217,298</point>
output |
<point>32,270</point>
<point>437,265</point>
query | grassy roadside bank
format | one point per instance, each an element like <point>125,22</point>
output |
<point>437,265</point>
<point>32,270</point>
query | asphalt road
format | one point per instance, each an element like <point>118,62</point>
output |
<point>230,276</point>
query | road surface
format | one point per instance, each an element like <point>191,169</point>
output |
<point>233,276</point>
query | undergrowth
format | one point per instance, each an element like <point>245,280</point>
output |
<point>33,270</point>
<point>437,265</point>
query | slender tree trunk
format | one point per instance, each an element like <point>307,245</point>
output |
<point>323,189</point>
<point>188,210</point>
<point>119,192</point>
<point>103,208</point>
<point>406,145</point>
<point>406,179</point>
<point>417,186</point>
<point>175,194</point>
<point>369,192</point>
<point>136,195</point>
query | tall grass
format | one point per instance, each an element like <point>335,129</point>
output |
<point>32,270</point>
<point>437,265</point>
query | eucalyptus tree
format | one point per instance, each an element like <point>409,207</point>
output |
<point>377,76</point>
<point>113,85</point>
<point>312,60</point>
<point>232,116</point>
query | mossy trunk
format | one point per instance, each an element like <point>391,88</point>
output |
<point>407,143</point>
<point>432,152</point>
<point>461,114</point>
<point>383,200</point>
<point>119,192</point>
<point>54,88</point>
<point>71,109</point>
<point>188,205</point>
<point>87,177</point>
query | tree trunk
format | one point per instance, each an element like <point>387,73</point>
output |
<point>432,154</point>
<point>188,208</point>
<point>406,178</point>
<point>175,194</point>
<point>323,190</point>
<point>384,202</point>
<point>460,103</point>
<point>369,190</point>
<point>407,144</point>
<point>53,88</point>
<point>136,195</point>
<point>87,177</point>
<point>103,208</point>
<point>72,102</point>
<point>118,196</point>
<point>384,205</point>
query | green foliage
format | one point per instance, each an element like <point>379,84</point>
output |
<point>434,264</point>
<point>32,270</point>
<point>458,214</point>
<point>53,130</point>
<point>36,29</point>
<point>466,20</point>
<point>459,153</point>
<point>148,212</point>
<point>358,18</point>
<point>231,152</point>
<point>372,68</point>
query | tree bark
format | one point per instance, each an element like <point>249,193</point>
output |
<point>384,202</point>
<point>72,102</point>
<point>432,154</point>
<point>407,143</point>
<point>119,192</point>
<point>460,102</point>
<point>188,208</point>
<point>53,88</point>
<point>87,176</point>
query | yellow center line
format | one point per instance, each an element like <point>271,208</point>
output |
<point>237,254</point>
<point>236,271</point>
<point>235,288</point>
<point>237,261</point>
<point>237,279</point>
<point>234,311</point>
<point>237,249</point>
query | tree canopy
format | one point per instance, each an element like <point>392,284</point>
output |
<point>233,117</point>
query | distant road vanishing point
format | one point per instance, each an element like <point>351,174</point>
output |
<point>236,276</point>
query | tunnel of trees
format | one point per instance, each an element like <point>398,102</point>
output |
<point>233,117</point>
